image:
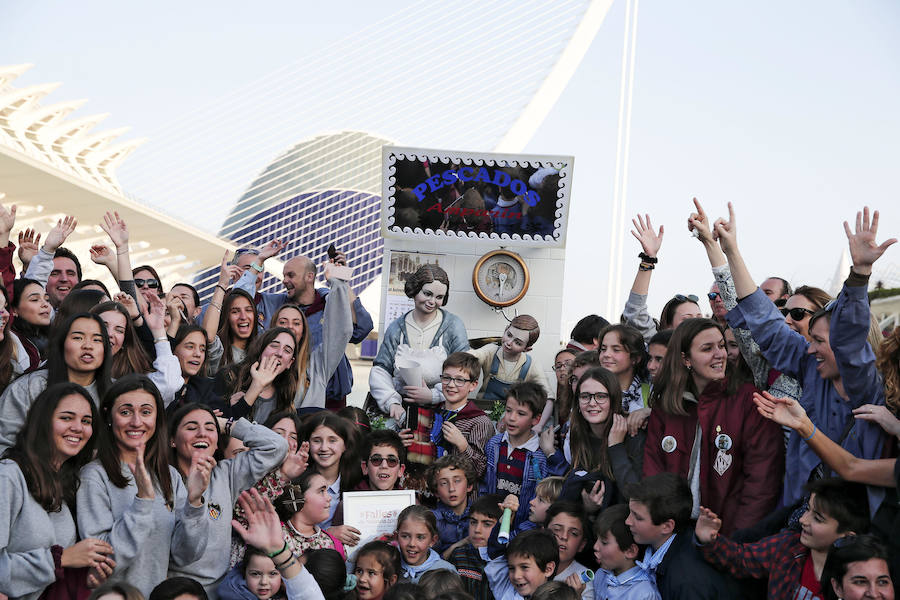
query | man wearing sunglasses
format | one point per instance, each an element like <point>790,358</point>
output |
<point>300,288</point>
<point>717,304</point>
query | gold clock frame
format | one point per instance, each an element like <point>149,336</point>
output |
<point>476,284</point>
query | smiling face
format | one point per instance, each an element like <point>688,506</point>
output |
<point>563,367</point>
<point>191,351</point>
<point>317,501</point>
<point>34,305</point>
<point>196,434</point>
<point>820,348</point>
<point>282,348</point>
<point>865,579</point>
<point>116,323</point>
<point>731,347</point>
<point>656,352</point>
<point>614,356</point>
<point>707,357</point>
<point>287,429</point>
<point>818,531</point>
<point>526,576</point>
<point>263,579</point>
<point>382,476</point>
<point>325,447</point>
<point>240,318</point>
<point>72,427</point>
<point>298,277</point>
<point>4,316</point>
<point>415,540</point>
<point>370,582</point>
<point>456,395</point>
<point>452,487</point>
<point>430,297</point>
<point>83,346</point>
<point>569,535</point>
<point>594,410</point>
<point>63,276</point>
<point>291,318</point>
<point>801,325</point>
<point>149,279</point>
<point>133,419</point>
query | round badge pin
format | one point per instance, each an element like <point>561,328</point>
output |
<point>724,442</point>
<point>669,444</point>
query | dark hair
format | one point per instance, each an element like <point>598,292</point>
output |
<point>539,544</point>
<point>424,275</point>
<point>34,446</point>
<point>238,378</point>
<point>173,587</point>
<point>612,520</point>
<point>126,590</point>
<point>661,338</point>
<point>155,455</point>
<point>193,293</point>
<point>62,252</point>
<point>555,590</point>
<point>588,357</point>
<point>182,333</point>
<point>226,335</point>
<point>351,473</point>
<point>249,553</point>
<point>530,394</point>
<point>405,591</point>
<point>288,413</point>
<point>159,291</point>
<point>176,419</point>
<point>666,496</point>
<point>302,360</point>
<point>329,571</point>
<point>633,341</point>
<point>386,555</point>
<point>844,501</point>
<point>453,595</point>
<point>6,347</point>
<point>451,461</point>
<point>438,580</point>
<point>488,506</point>
<point>887,359</point>
<point>564,390</point>
<point>417,512</point>
<point>816,296</point>
<point>845,551</point>
<point>529,324</point>
<point>585,454</point>
<point>785,286</point>
<point>573,509</point>
<point>58,371</point>
<point>384,437</point>
<point>588,329</point>
<point>358,418</point>
<point>465,362</point>
<point>131,357</point>
<point>674,378</point>
<point>88,282</point>
<point>668,311</point>
<point>78,301</point>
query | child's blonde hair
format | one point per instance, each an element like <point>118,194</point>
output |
<point>549,488</point>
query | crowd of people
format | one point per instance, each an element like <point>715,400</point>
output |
<point>154,446</point>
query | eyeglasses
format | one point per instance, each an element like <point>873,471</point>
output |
<point>377,459</point>
<point>683,298</point>
<point>563,365</point>
<point>797,314</point>
<point>457,381</point>
<point>599,398</point>
<point>713,295</point>
<point>150,283</point>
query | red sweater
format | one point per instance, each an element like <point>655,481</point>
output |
<point>741,478</point>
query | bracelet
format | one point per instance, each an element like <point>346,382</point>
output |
<point>256,267</point>
<point>285,562</point>
<point>216,306</point>
<point>644,266</point>
<point>228,425</point>
<point>274,554</point>
<point>222,288</point>
<point>291,562</point>
<point>647,258</point>
<point>160,339</point>
<point>123,252</point>
<point>811,435</point>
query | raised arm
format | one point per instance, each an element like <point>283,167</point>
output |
<point>247,280</point>
<point>227,274</point>
<point>635,310</point>
<point>789,413</point>
<point>39,269</point>
<point>726,233</point>
<point>7,220</point>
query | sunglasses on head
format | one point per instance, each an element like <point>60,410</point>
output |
<point>150,283</point>
<point>688,298</point>
<point>377,459</point>
<point>797,314</point>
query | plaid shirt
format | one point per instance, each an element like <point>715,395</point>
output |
<point>470,567</point>
<point>779,557</point>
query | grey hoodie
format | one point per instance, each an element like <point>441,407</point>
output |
<point>229,478</point>
<point>27,532</point>
<point>144,534</point>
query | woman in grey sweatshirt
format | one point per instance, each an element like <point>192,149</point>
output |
<point>195,430</point>
<point>38,479</point>
<point>133,499</point>
<point>78,352</point>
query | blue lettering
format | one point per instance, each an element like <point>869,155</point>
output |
<point>419,191</point>
<point>464,176</point>
<point>518,187</point>
<point>501,179</point>
<point>532,198</point>
<point>449,177</point>
<point>434,183</point>
<point>482,175</point>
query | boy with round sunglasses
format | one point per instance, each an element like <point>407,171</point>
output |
<point>385,461</point>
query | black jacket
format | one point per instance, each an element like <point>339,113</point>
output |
<point>683,574</point>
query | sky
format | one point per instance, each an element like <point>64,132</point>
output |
<point>787,109</point>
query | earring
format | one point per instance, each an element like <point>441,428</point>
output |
<point>690,369</point>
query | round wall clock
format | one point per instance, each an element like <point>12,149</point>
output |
<point>500,278</point>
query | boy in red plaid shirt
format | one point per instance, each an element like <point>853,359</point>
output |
<point>792,561</point>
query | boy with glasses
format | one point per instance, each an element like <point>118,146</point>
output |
<point>384,463</point>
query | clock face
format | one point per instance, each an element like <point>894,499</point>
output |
<point>501,278</point>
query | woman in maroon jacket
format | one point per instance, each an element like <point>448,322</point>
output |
<point>706,428</point>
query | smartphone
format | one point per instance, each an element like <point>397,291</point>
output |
<point>332,251</point>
